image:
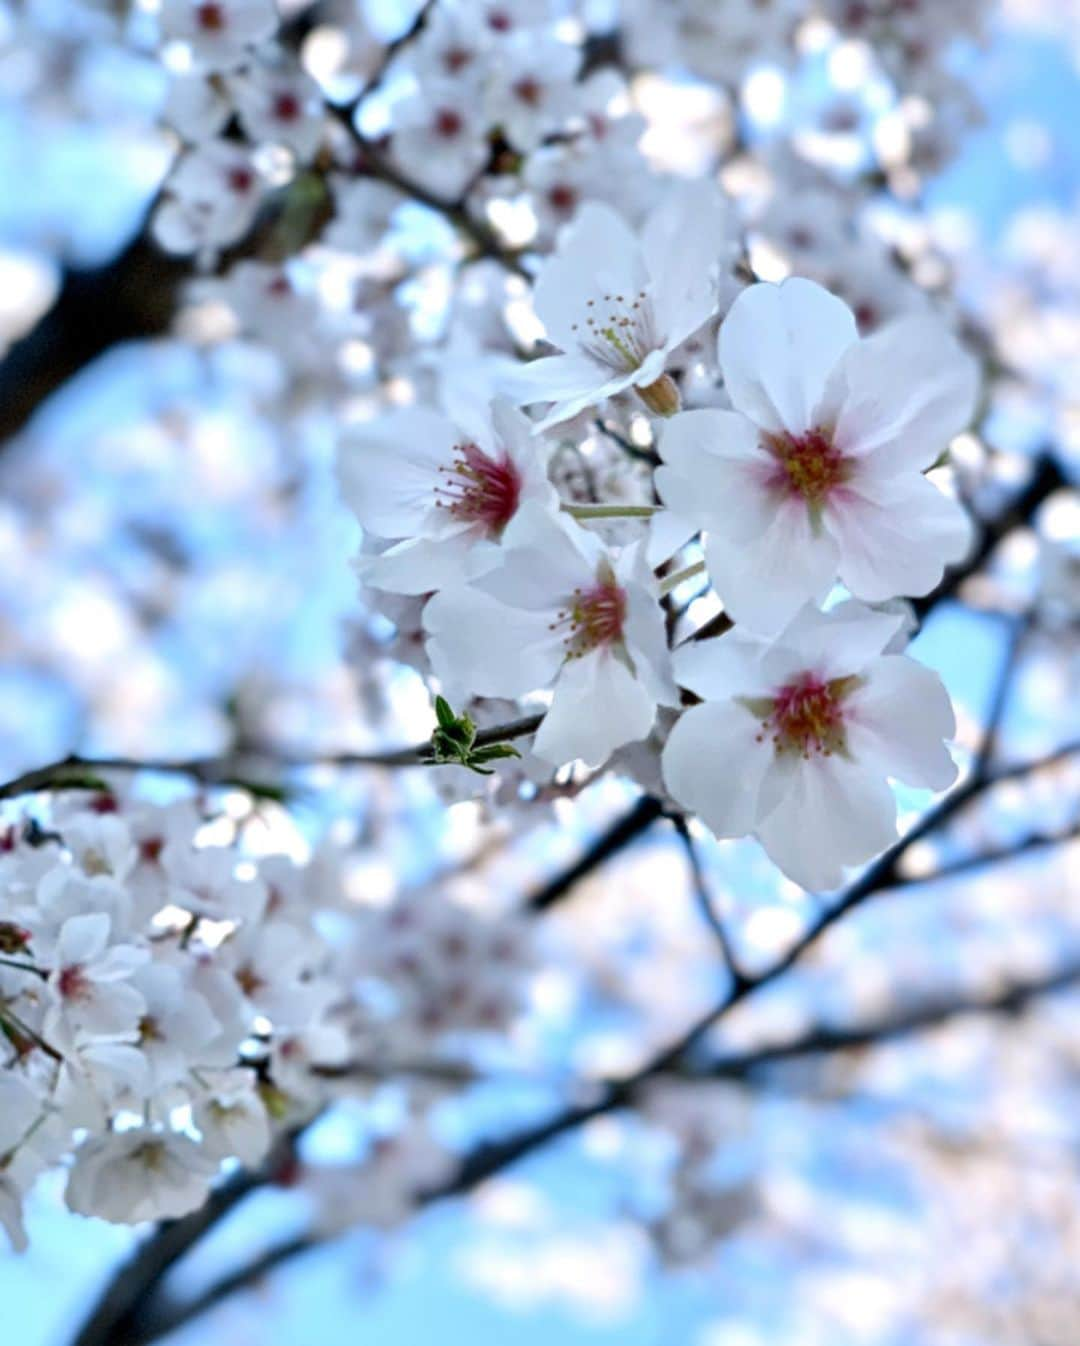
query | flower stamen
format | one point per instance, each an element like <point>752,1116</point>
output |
<point>480,490</point>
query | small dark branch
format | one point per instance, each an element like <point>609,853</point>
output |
<point>1003,689</point>
<point>703,897</point>
<point>824,1039</point>
<point>1034,841</point>
<point>1046,478</point>
<point>163,1318</point>
<point>81,772</point>
<point>619,835</point>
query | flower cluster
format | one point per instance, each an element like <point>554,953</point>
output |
<point>646,448</point>
<point>810,481</point>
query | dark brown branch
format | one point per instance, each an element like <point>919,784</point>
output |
<point>242,769</point>
<point>130,299</point>
<point>489,1160</point>
<point>1046,478</point>
<point>703,897</point>
<point>618,836</point>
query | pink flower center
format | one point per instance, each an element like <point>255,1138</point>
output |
<point>240,180</point>
<point>805,717</point>
<point>809,465</point>
<point>595,617</point>
<point>480,490</point>
<point>456,59</point>
<point>562,198</point>
<point>287,107</point>
<point>448,123</point>
<point>73,983</point>
<point>210,17</point>
<point>529,91</point>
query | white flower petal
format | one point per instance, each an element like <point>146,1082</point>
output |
<point>491,649</point>
<point>713,765</point>
<point>598,705</point>
<point>778,346</point>
<point>831,814</point>
<point>900,542</point>
<point>900,718</point>
<point>903,393</point>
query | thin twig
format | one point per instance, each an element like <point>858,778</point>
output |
<point>700,884</point>
<point>75,772</point>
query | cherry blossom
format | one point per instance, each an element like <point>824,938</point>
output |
<point>443,495</point>
<point>818,473</point>
<point>220,33</point>
<point>618,305</point>
<point>559,608</point>
<point>92,982</point>
<point>531,91</point>
<point>797,737</point>
<point>210,199</point>
<point>439,139</point>
<point>146,1174</point>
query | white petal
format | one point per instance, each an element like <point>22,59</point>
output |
<point>903,393</point>
<point>713,765</point>
<point>420,565</point>
<point>389,470</point>
<point>900,542</point>
<point>722,668</point>
<point>900,719</point>
<point>778,346</point>
<point>598,254</point>
<point>82,939</point>
<point>545,557</point>
<point>598,706</point>
<point>833,644</point>
<point>491,649</point>
<point>832,814</point>
<point>714,471</point>
<point>645,637</point>
<point>764,581</point>
<point>682,242</point>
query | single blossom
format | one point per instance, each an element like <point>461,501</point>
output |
<point>145,1174</point>
<point>797,737</point>
<point>560,610</point>
<point>220,33</point>
<point>443,495</point>
<point>440,138</point>
<point>282,106</point>
<point>618,305</point>
<point>531,90</point>
<point>92,981</point>
<point>818,473</point>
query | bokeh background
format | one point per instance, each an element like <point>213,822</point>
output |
<point>174,572</point>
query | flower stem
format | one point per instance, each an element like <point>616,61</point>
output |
<point>670,582</point>
<point>609,511</point>
<point>25,967</point>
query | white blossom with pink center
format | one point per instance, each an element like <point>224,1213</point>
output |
<point>560,610</point>
<point>442,494</point>
<point>618,305</point>
<point>818,474</point>
<point>220,33</point>
<point>798,736</point>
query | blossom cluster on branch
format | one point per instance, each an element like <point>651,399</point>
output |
<point>649,450</point>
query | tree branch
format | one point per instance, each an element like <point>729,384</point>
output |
<point>486,1162</point>
<point>78,773</point>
